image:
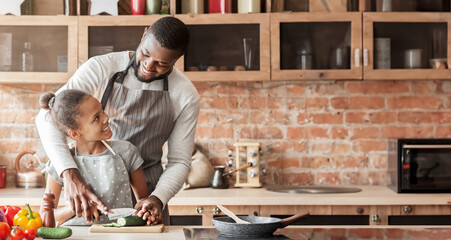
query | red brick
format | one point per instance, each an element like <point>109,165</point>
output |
<point>5,131</point>
<point>346,162</point>
<point>443,132</point>
<point>314,162</point>
<point>295,146</point>
<point>378,177</point>
<point>21,88</point>
<point>295,132</point>
<point>279,117</point>
<point>406,132</point>
<point>221,132</point>
<point>203,132</point>
<point>317,132</point>
<point>295,103</point>
<point>365,133</point>
<point>297,179</point>
<point>341,148</point>
<point>204,88</point>
<point>366,102</point>
<point>18,117</point>
<point>26,131</point>
<point>340,102</point>
<point>354,178</point>
<point>382,117</point>
<point>275,147</point>
<point>428,234</point>
<point>377,87</point>
<point>326,118</point>
<point>445,86</point>
<point>423,87</point>
<point>254,103</point>
<point>290,162</point>
<point>230,116</point>
<point>366,233</point>
<point>333,88</point>
<point>205,117</point>
<point>356,117</point>
<point>316,103</point>
<point>320,147</point>
<point>7,102</point>
<point>328,178</point>
<point>51,87</point>
<point>379,161</point>
<point>224,103</point>
<point>276,103</point>
<point>413,102</point>
<point>247,133</point>
<point>257,117</point>
<point>28,101</point>
<point>269,133</point>
<point>296,89</point>
<point>230,88</point>
<point>424,117</point>
<point>218,161</point>
<point>448,102</point>
<point>338,133</point>
<point>366,146</point>
<point>391,233</point>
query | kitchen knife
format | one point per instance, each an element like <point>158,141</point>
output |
<point>116,213</point>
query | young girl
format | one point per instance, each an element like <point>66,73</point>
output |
<point>108,167</point>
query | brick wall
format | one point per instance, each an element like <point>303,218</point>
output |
<point>311,132</point>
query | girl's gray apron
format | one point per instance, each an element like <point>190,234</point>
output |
<point>98,172</point>
<point>142,117</point>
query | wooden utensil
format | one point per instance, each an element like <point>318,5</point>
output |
<point>141,229</point>
<point>232,215</point>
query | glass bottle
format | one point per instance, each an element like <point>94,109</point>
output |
<point>27,58</point>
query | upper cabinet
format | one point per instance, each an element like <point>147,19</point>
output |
<point>37,49</point>
<point>227,47</point>
<point>406,45</point>
<point>312,46</point>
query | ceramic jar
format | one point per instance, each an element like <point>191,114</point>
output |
<point>193,6</point>
<point>219,6</point>
<point>249,6</point>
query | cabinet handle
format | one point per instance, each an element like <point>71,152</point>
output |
<point>215,211</point>
<point>375,218</point>
<point>365,57</point>
<point>357,57</point>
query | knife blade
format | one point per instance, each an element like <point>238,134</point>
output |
<point>116,213</point>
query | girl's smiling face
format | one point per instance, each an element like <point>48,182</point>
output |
<point>92,123</point>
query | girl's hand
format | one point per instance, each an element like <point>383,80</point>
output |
<point>150,209</point>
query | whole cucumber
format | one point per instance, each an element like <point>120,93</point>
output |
<point>131,221</point>
<point>55,233</point>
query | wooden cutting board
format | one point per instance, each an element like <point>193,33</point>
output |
<point>141,229</point>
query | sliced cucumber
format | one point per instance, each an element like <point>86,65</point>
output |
<point>131,221</point>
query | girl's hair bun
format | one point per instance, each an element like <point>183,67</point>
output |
<point>46,100</point>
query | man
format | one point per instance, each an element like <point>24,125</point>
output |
<point>149,102</point>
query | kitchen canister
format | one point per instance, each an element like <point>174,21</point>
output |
<point>193,6</point>
<point>249,6</point>
<point>138,7</point>
<point>153,7</point>
<point>219,6</point>
<point>412,58</point>
<point>382,50</point>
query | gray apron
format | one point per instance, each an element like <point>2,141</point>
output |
<point>143,117</point>
<point>98,172</point>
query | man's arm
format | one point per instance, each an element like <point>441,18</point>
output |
<point>180,147</point>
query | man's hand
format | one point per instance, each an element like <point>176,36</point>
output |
<point>150,209</point>
<point>79,194</point>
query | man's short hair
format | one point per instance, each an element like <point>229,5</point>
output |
<point>170,33</point>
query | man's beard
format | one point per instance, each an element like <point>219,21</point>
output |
<point>147,80</point>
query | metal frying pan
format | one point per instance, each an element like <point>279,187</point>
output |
<point>260,226</point>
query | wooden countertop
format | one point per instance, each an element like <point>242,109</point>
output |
<point>370,195</point>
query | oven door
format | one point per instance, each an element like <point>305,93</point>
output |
<point>426,168</point>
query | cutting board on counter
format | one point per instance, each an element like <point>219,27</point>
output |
<point>141,229</point>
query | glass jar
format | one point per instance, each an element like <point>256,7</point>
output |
<point>27,58</point>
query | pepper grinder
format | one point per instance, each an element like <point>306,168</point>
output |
<point>48,216</point>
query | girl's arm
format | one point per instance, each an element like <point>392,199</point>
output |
<point>61,214</point>
<point>139,185</point>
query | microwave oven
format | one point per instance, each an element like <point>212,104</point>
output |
<point>422,165</point>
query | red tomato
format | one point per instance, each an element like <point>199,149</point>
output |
<point>16,234</point>
<point>30,234</point>
<point>4,230</point>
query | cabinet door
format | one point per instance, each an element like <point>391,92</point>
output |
<point>104,34</point>
<point>307,46</point>
<point>406,46</point>
<point>37,49</point>
<point>227,47</point>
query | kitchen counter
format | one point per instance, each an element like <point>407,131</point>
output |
<point>291,232</point>
<point>370,195</point>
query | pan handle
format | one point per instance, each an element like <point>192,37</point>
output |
<point>289,220</point>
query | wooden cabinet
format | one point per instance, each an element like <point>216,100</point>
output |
<point>314,46</point>
<point>406,45</point>
<point>52,43</point>
<point>227,47</point>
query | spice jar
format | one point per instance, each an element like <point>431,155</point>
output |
<point>219,6</point>
<point>193,6</point>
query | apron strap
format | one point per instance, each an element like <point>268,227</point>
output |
<point>165,83</point>
<point>117,77</point>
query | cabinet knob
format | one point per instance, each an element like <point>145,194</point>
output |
<point>215,211</point>
<point>359,210</point>
<point>375,218</point>
<point>407,209</point>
